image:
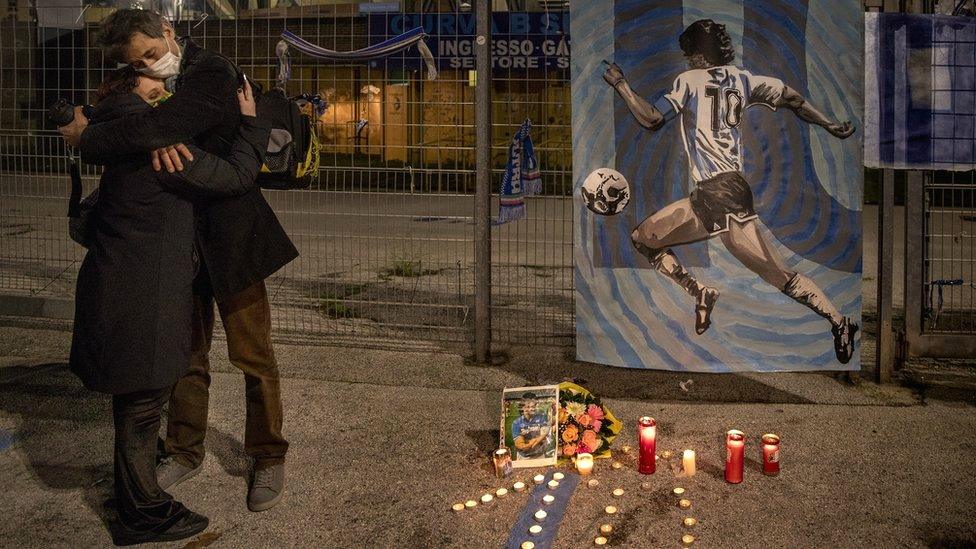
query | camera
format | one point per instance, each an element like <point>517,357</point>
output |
<point>62,112</point>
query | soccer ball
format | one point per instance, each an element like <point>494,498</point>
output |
<point>605,192</point>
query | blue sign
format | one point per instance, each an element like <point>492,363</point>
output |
<point>519,40</point>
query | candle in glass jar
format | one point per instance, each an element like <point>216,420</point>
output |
<point>735,443</point>
<point>688,463</point>
<point>647,438</point>
<point>770,445</point>
<point>584,464</point>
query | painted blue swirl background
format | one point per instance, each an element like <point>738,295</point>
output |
<point>807,185</point>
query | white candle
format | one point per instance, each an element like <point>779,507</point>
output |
<point>600,540</point>
<point>457,507</point>
<point>548,499</point>
<point>610,509</point>
<point>553,484</point>
<point>519,486</point>
<point>538,479</point>
<point>558,476</point>
<point>679,492</point>
<point>687,539</point>
<point>584,464</point>
<point>592,482</point>
<point>684,504</point>
<point>487,498</point>
<point>471,504</point>
<point>527,544</point>
<point>501,492</point>
<point>688,463</point>
<point>618,492</point>
<point>535,529</point>
<point>617,465</point>
<point>540,515</point>
<point>689,522</point>
<point>606,529</point>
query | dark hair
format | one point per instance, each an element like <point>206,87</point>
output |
<point>117,30</point>
<point>709,39</point>
<point>118,82</point>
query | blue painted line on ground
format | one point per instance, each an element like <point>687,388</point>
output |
<point>7,439</point>
<point>554,513</point>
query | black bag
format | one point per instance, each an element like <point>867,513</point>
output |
<point>292,158</point>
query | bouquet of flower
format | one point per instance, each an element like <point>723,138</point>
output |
<point>585,424</point>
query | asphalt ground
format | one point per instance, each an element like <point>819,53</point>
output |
<point>383,443</point>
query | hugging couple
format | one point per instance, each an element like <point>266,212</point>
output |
<point>179,225</point>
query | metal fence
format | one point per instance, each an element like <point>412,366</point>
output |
<point>386,234</point>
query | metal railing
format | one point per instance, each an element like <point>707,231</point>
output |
<point>386,233</point>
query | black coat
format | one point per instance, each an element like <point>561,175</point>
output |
<point>133,302</point>
<point>240,238</point>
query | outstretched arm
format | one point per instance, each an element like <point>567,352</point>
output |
<point>649,117</point>
<point>791,99</point>
<point>201,104</point>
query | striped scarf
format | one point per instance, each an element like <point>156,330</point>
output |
<point>522,177</point>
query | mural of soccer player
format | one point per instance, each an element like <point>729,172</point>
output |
<point>531,431</point>
<point>710,99</point>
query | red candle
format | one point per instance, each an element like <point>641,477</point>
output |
<point>735,445</point>
<point>647,438</point>
<point>770,444</point>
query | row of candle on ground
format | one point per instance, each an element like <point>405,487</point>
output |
<point>517,487</point>
<point>735,442</point>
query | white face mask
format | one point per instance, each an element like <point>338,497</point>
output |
<point>166,66</point>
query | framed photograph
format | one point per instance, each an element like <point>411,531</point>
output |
<point>529,427</point>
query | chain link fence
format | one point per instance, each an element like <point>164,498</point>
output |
<point>386,233</point>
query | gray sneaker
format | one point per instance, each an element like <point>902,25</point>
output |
<point>169,472</point>
<point>267,486</point>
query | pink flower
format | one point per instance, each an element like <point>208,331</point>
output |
<point>583,449</point>
<point>590,440</point>
<point>596,425</point>
<point>569,450</point>
<point>595,411</point>
<point>584,420</point>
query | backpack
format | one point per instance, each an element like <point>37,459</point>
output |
<point>292,158</point>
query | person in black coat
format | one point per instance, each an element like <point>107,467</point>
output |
<point>240,240</point>
<point>134,301</point>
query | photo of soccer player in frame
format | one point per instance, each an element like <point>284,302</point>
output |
<point>737,245</point>
<point>529,427</point>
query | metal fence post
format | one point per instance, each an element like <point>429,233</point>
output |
<point>482,197</point>
<point>886,248</point>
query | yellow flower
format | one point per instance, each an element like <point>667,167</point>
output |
<point>575,408</point>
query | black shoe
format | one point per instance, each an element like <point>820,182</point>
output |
<point>844,340</point>
<point>703,309</point>
<point>187,525</point>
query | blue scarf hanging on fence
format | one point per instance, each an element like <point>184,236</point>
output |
<point>522,177</point>
<point>397,44</point>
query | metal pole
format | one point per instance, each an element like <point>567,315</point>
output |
<point>482,196</point>
<point>886,248</point>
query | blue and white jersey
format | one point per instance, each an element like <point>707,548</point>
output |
<point>711,102</point>
<point>530,428</point>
